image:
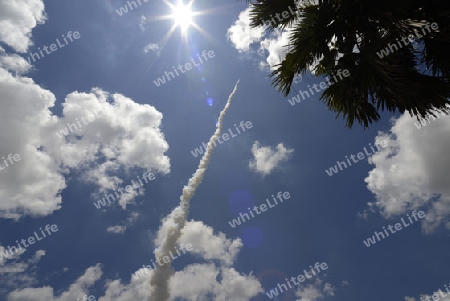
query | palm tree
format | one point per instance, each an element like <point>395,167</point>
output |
<point>332,35</point>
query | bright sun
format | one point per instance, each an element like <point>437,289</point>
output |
<point>182,16</point>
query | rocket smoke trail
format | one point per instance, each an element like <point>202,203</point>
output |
<point>161,275</point>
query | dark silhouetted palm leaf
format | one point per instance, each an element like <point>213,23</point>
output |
<point>407,80</point>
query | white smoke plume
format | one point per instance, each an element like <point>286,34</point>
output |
<point>177,218</point>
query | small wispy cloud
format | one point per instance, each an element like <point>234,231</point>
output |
<point>314,292</point>
<point>152,47</point>
<point>123,225</point>
<point>143,22</point>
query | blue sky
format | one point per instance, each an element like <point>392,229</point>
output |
<point>136,127</point>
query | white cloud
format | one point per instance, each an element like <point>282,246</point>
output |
<point>117,229</point>
<point>13,62</point>
<point>126,136</point>
<point>76,290</point>
<point>242,36</point>
<point>276,48</point>
<point>205,243</point>
<point>17,19</point>
<point>31,185</point>
<point>10,253</point>
<point>185,284</point>
<point>266,159</point>
<point>143,22</point>
<point>272,46</point>
<point>218,280</point>
<point>152,47</point>
<point>312,292</point>
<point>412,172</point>
<point>208,245</point>
<point>13,264</point>
<point>328,289</point>
<point>308,293</point>
<point>16,273</point>
<point>124,225</point>
<point>240,33</point>
<point>441,295</point>
<point>232,285</point>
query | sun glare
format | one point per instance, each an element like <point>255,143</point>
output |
<point>182,16</point>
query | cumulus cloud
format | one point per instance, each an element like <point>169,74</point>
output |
<point>316,291</point>
<point>219,281</point>
<point>267,159</point>
<point>241,34</point>
<point>276,46</point>
<point>33,184</point>
<point>412,172</point>
<point>13,62</point>
<point>232,285</point>
<point>17,19</point>
<point>208,245</point>
<point>272,47</point>
<point>308,293</point>
<point>127,136</point>
<point>46,293</point>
